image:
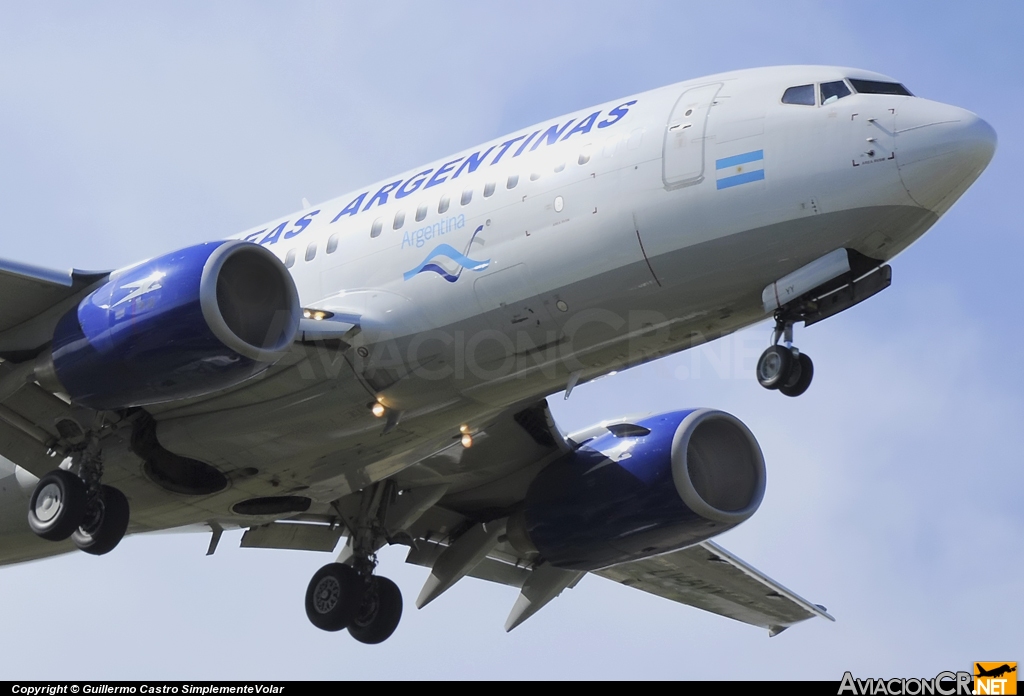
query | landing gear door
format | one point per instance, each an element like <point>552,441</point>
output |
<point>684,148</point>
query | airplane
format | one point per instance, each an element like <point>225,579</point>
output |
<point>376,367</point>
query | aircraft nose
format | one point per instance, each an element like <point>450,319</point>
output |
<point>940,151</point>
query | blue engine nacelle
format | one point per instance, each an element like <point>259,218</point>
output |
<point>180,325</point>
<point>642,489</point>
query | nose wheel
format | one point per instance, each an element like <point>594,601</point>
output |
<point>784,367</point>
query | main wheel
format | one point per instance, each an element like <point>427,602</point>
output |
<point>380,613</point>
<point>803,381</point>
<point>773,367</point>
<point>334,596</point>
<point>57,505</point>
<point>103,528</point>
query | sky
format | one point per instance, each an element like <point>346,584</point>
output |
<point>894,484</point>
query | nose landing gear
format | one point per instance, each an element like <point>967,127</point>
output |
<point>66,504</point>
<point>784,367</point>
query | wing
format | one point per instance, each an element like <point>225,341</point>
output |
<point>28,429</point>
<point>705,576</point>
<point>463,535</point>
<point>32,299</point>
<point>453,512</point>
<point>708,577</point>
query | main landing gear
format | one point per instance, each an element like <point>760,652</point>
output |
<point>348,594</point>
<point>340,597</point>
<point>784,367</point>
<point>73,503</point>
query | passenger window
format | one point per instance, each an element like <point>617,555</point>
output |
<point>831,91</point>
<point>311,251</point>
<point>421,212</point>
<point>489,190</point>
<point>635,138</point>
<point>399,220</point>
<point>442,205</point>
<point>332,243</point>
<point>467,196</point>
<point>611,146</point>
<point>534,176</point>
<point>559,167</point>
<point>804,94</point>
<point>584,158</point>
<point>378,225</point>
<point>512,182</point>
<point>289,259</point>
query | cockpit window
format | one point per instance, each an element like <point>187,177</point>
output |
<point>804,94</point>
<point>831,91</point>
<point>875,87</point>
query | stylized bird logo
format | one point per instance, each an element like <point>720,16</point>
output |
<point>446,250</point>
<point>141,287</point>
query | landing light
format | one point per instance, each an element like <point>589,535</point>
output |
<point>378,409</point>
<point>463,428</point>
<point>467,440</point>
<point>316,314</point>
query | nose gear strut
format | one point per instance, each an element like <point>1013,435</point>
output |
<point>784,367</point>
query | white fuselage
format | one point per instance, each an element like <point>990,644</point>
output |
<point>588,243</point>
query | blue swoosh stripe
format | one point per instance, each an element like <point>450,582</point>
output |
<point>735,160</point>
<point>438,270</point>
<point>456,256</point>
<point>744,178</point>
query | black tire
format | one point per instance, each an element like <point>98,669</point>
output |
<point>802,382</point>
<point>57,505</point>
<point>100,533</point>
<point>795,371</point>
<point>773,367</point>
<point>380,613</point>
<point>334,596</point>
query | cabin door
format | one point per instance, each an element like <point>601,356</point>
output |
<point>684,147</point>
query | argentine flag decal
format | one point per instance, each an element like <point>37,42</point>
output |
<point>740,169</point>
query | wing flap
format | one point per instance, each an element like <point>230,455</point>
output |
<point>425,553</point>
<point>296,536</point>
<point>708,577</point>
<point>25,451</point>
<point>28,427</point>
